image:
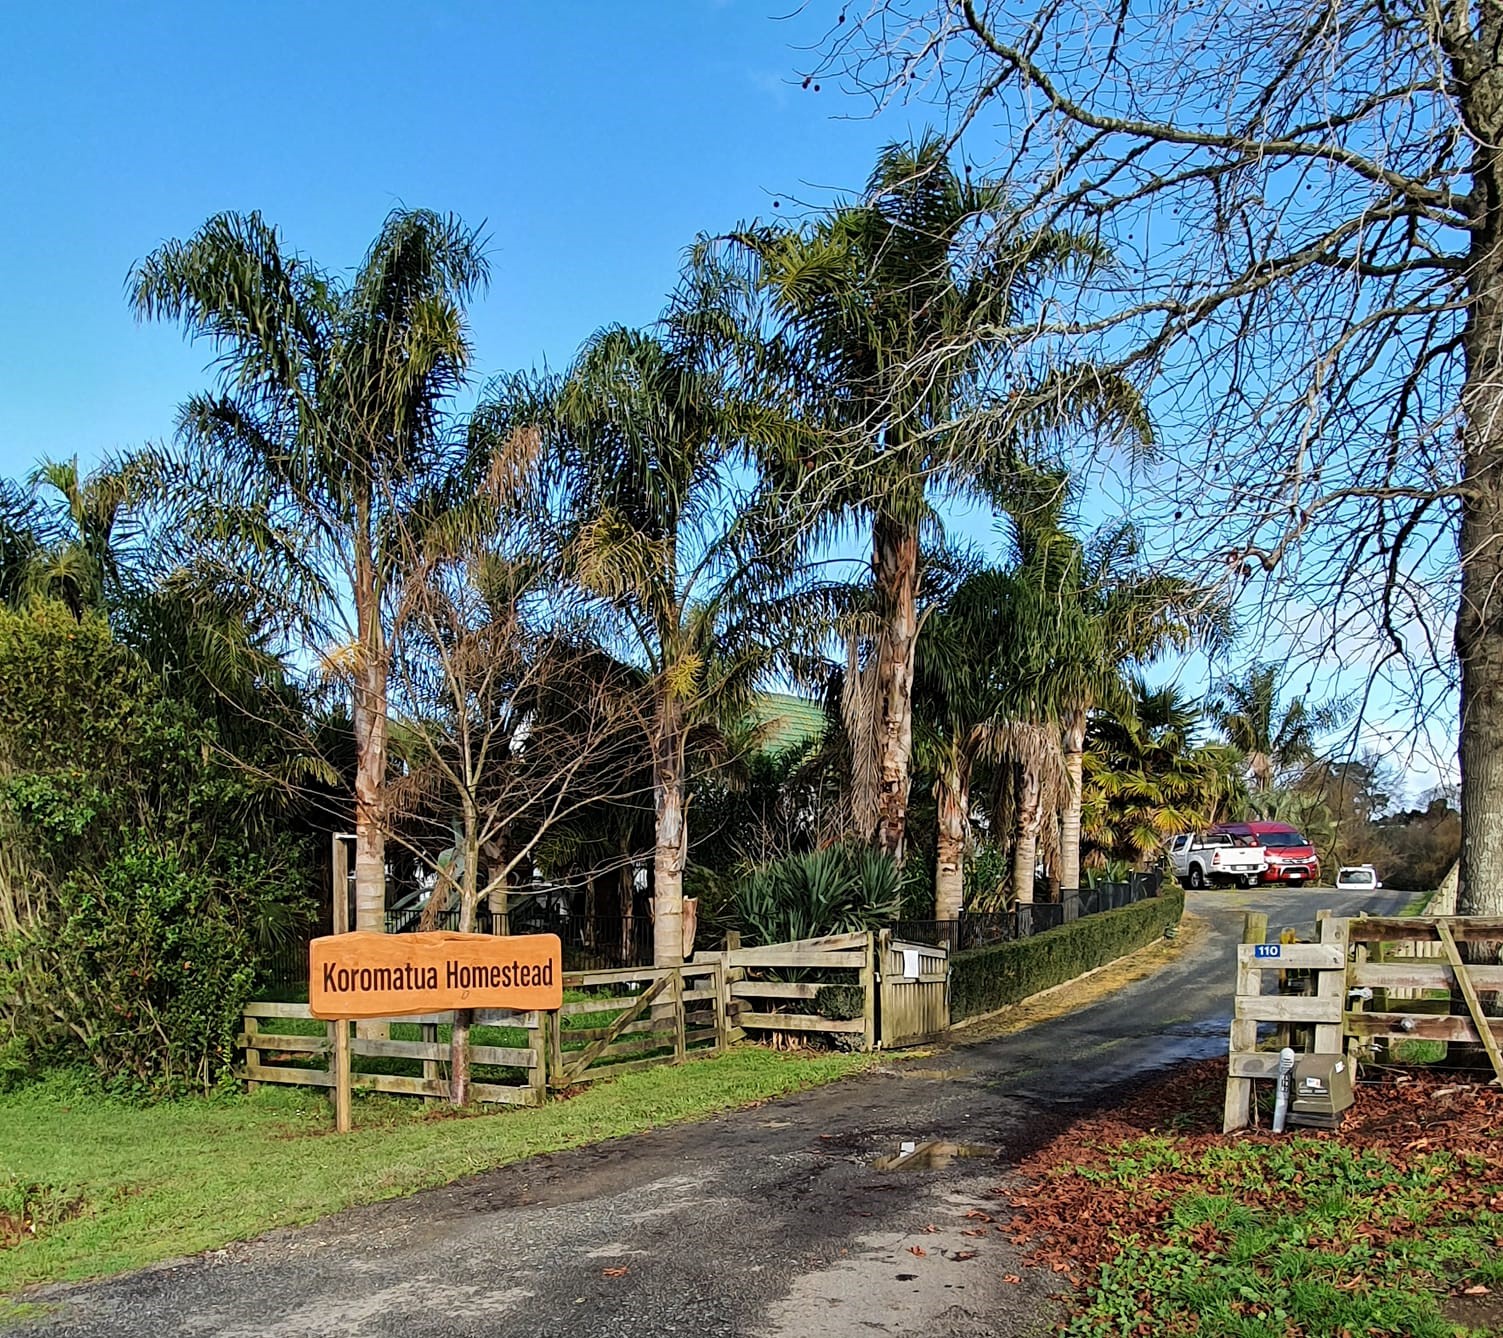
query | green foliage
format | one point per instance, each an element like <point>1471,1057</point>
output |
<point>140,883</point>
<point>841,889</point>
<point>139,970</point>
<point>984,979</point>
<point>1147,777</point>
<point>986,871</point>
<point>1306,1235</point>
<point>842,1003</point>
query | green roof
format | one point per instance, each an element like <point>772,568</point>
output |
<point>787,721</point>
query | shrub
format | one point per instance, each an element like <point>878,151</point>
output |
<point>840,1003</point>
<point>984,979</point>
<point>839,890</point>
<point>138,971</point>
<point>142,879</point>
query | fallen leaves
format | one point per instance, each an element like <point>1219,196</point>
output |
<point>614,1272</point>
<point>1075,1205</point>
<point>918,1251</point>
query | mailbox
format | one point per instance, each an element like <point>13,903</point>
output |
<point>1320,1090</point>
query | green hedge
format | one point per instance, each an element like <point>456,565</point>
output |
<point>984,979</point>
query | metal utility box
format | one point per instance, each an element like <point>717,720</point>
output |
<point>1321,1089</point>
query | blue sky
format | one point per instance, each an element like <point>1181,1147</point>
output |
<point>594,141</point>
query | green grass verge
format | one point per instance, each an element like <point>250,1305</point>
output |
<point>146,1183</point>
<point>1300,1237</point>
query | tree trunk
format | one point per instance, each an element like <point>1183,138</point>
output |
<point>895,569</point>
<point>370,723</point>
<point>950,844</point>
<point>1479,621</point>
<point>469,902</point>
<point>1069,821</point>
<point>1025,855</point>
<point>672,841</point>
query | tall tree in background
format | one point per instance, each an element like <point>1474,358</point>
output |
<point>886,309</point>
<point>1107,612</point>
<point>646,442</point>
<point>1149,775</point>
<point>327,416</point>
<point>1312,198</point>
<point>1278,741</point>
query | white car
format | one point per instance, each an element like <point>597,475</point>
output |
<point>1214,859</point>
<point>1357,878</point>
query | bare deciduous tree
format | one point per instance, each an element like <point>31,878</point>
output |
<point>1306,206</point>
<point>506,725</point>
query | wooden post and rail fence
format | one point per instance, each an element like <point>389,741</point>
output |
<point>1368,982</point>
<point>870,989</point>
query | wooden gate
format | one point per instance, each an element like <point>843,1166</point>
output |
<point>914,992</point>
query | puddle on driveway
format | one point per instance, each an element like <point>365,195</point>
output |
<point>940,1075</point>
<point>931,1156</point>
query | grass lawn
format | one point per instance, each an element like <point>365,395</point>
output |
<point>1391,1226</point>
<point>113,1186</point>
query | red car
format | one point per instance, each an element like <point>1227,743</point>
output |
<point>1291,858</point>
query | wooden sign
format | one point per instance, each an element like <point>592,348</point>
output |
<point>364,975</point>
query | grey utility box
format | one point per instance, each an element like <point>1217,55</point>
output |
<point>1320,1090</point>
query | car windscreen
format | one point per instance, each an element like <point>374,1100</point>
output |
<point>1356,876</point>
<point>1284,839</point>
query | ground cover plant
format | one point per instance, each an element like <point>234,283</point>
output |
<point>1392,1225</point>
<point>91,1185</point>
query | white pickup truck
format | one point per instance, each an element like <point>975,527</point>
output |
<point>1214,859</point>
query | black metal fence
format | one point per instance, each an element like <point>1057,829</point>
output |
<point>604,942</point>
<point>981,930</point>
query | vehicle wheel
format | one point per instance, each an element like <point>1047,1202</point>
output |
<point>1245,880</point>
<point>1197,877</point>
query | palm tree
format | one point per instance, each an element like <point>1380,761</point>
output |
<point>889,311</point>
<point>1147,776</point>
<point>644,449</point>
<point>327,416</point>
<point>79,561</point>
<point>1110,614</point>
<point>981,697</point>
<point>1276,743</point>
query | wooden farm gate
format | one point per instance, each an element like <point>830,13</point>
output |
<point>914,992</point>
<point>639,1017</point>
<point>830,983</point>
<point>284,1043</point>
<point>1372,981</point>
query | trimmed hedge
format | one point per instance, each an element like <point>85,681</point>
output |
<point>985,979</point>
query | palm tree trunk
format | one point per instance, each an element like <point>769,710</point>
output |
<point>672,838</point>
<point>895,568</point>
<point>1069,820</point>
<point>370,723</point>
<point>950,843</point>
<point>1025,856</point>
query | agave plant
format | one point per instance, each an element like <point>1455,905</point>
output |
<point>839,890</point>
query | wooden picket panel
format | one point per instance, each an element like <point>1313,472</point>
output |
<point>912,1009</point>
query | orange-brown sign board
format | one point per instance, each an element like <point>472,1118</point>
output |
<point>394,975</point>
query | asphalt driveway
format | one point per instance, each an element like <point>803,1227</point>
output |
<point>773,1222</point>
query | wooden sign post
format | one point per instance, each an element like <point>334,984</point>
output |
<point>339,1028</point>
<point>365,975</point>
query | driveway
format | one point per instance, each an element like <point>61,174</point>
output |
<point>773,1222</point>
